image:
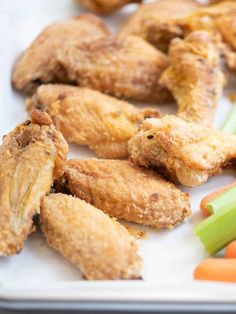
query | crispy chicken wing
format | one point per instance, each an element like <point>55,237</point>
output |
<point>88,117</point>
<point>126,191</point>
<point>157,22</point>
<point>194,76</point>
<point>122,66</point>
<point>97,244</point>
<point>31,156</point>
<point>38,64</point>
<point>186,152</point>
<point>227,26</point>
<point>105,6</point>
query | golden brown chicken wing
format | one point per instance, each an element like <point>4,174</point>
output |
<point>105,6</point>
<point>31,156</point>
<point>194,76</point>
<point>38,65</point>
<point>88,117</point>
<point>227,26</point>
<point>126,191</point>
<point>186,152</point>
<point>157,22</point>
<point>98,245</point>
<point>122,66</point>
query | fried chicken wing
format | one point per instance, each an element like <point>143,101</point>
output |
<point>157,22</point>
<point>227,26</point>
<point>104,6</point>
<point>185,152</point>
<point>194,76</point>
<point>31,157</point>
<point>88,117</point>
<point>97,244</point>
<point>125,191</point>
<point>122,66</point>
<point>38,65</point>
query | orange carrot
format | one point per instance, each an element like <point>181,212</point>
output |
<point>216,269</point>
<point>213,196</point>
<point>230,251</point>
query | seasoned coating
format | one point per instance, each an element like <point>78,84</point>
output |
<point>205,17</point>
<point>88,117</point>
<point>157,22</point>
<point>38,65</point>
<point>122,66</point>
<point>227,26</point>
<point>126,191</point>
<point>194,76</point>
<point>31,157</point>
<point>186,152</point>
<point>97,244</point>
<point>104,6</point>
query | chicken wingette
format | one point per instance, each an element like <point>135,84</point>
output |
<point>97,244</point>
<point>105,6</point>
<point>157,22</point>
<point>38,64</point>
<point>88,117</point>
<point>125,191</point>
<point>121,66</point>
<point>31,157</point>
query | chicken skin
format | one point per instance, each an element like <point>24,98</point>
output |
<point>157,22</point>
<point>194,76</point>
<point>185,152</point>
<point>122,66</point>
<point>31,157</point>
<point>104,6</point>
<point>88,117</point>
<point>125,191</point>
<point>38,65</point>
<point>97,244</point>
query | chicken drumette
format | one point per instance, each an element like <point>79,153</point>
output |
<point>185,152</point>
<point>194,76</point>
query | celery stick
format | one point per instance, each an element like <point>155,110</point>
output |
<point>218,230</point>
<point>230,123</point>
<point>226,200</point>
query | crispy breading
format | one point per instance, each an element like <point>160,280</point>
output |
<point>195,77</point>
<point>125,191</point>
<point>122,66</point>
<point>205,17</point>
<point>104,6</point>
<point>88,117</point>
<point>227,26</point>
<point>157,22</point>
<point>97,244</point>
<point>37,65</point>
<point>186,152</point>
<point>31,157</point>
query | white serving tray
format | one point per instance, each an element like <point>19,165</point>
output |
<point>39,277</point>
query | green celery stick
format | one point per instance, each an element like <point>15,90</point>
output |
<point>216,231</point>
<point>226,200</point>
<point>230,123</point>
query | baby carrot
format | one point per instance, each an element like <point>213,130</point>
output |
<point>216,269</point>
<point>207,199</point>
<point>230,251</point>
